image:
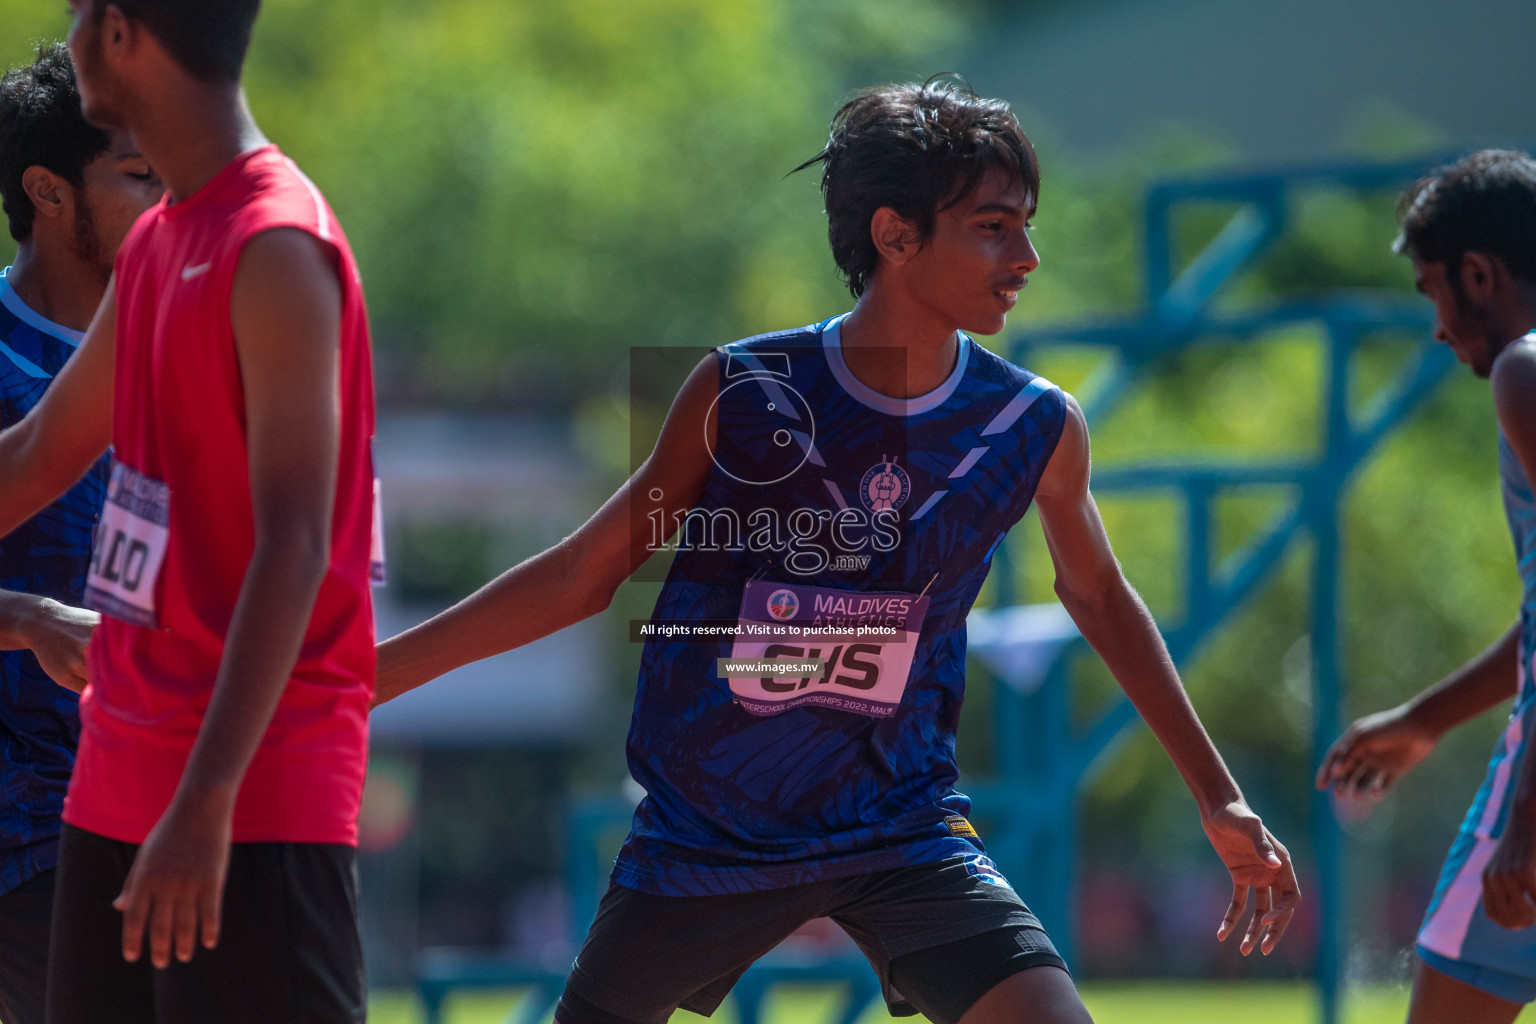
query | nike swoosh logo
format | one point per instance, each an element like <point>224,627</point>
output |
<point>189,272</point>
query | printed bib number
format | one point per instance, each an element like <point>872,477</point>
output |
<point>129,547</point>
<point>865,642</point>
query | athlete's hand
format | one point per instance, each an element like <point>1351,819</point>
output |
<point>1256,861</point>
<point>1374,753</point>
<point>176,883</point>
<point>1509,880</point>
<point>57,634</point>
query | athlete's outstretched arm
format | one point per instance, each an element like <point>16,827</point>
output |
<point>1377,750</point>
<point>52,446</point>
<point>1113,619</point>
<point>578,576</point>
<point>285,308</point>
<point>56,633</point>
<point>1509,880</point>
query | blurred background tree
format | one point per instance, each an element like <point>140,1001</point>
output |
<point>533,189</point>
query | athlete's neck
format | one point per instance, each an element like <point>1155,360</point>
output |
<point>55,284</point>
<point>189,135</point>
<point>880,324</point>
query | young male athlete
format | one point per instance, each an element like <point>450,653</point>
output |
<point>71,191</point>
<point>223,731</point>
<point>837,492</point>
<point>1470,230</point>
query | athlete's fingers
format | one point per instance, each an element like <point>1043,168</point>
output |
<point>1337,754</point>
<point>1261,906</point>
<point>184,927</point>
<point>135,908</point>
<point>209,913</point>
<point>162,917</point>
<point>1279,919</point>
<point>1234,912</point>
<point>1361,781</point>
<point>1382,784</point>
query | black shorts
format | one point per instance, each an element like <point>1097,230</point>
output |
<point>24,915</point>
<point>939,937</point>
<point>288,946</point>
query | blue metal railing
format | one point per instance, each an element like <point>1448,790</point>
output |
<point>1043,756</point>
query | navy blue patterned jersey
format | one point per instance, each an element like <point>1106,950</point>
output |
<point>821,482</point>
<point>48,556</point>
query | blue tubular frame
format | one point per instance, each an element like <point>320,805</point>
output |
<point>1043,756</point>
<point>1032,800</point>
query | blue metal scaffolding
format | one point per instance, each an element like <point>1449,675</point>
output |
<point>1044,756</point>
<point>1032,802</point>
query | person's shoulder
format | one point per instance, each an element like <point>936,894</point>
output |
<point>1514,383</point>
<point>792,337</point>
<point>1005,373</point>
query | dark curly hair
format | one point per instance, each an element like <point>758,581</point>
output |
<point>918,149</point>
<point>41,126</point>
<point>1483,203</point>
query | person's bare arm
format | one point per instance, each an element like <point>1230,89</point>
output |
<point>576,577</point>
<point>55,633</point>
<point>1117,624</point>
<point>1378,749</point>
<point>1509,880</point>
<point>51,447</point>
<point>41,457</point>
<point>285,308</point>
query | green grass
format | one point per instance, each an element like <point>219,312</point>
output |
<point>1110,1003</point>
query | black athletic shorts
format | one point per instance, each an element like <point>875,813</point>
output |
<point>288,945</point>
<point>939,937</point>
<point>24,915</point>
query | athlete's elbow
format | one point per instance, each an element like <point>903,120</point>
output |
<point>1091,594</point>
<point>586,578</point>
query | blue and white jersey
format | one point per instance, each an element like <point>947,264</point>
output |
<point>1456,926</point>
<point>821,482</point>
<point>48,556</point>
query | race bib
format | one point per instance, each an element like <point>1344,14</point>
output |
<point>129,547</point>
<point>376,541</point>
<point>863,641</point>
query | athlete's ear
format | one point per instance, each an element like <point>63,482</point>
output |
<point>51,195</point>
<point>118,32</point>
<point>1477,276</point>
<point>896,238</point>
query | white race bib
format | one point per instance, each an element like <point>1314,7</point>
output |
<point>128,548</point>
<point>376,541</point>
<point>866,640</point>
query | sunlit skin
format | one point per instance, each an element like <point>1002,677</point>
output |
<point>966,275</point>
<point>901,340</point>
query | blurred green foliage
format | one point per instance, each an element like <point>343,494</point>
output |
<point>533,188</point>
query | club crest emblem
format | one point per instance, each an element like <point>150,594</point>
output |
<point>885,486</point>
<point>782,604</point>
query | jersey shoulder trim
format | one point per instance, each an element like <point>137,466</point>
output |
<point>27,315</point>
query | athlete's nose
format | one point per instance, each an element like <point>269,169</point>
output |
<point>1025,257</point>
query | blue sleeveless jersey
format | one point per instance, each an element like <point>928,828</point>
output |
<point>48,556</point>
<point>820,480</point>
